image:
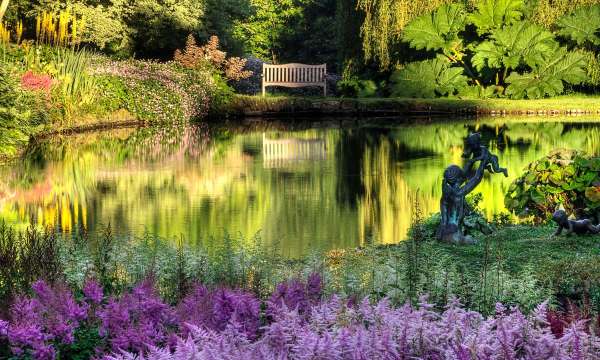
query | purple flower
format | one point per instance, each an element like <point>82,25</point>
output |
<point>51,316</point>
<point>136,320</point>
<point>314,286</point>
<point>219,309</point>
<point>93,291</point>
<point>296,295</point>
<point>3,328</point>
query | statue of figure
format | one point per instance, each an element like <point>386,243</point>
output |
<point>479,152</point>
<point>579,227</point>
<point>452,204</point>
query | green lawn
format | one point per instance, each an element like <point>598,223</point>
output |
<point>258,105</point>
<point>519,264</point>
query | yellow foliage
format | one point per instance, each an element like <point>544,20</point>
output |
<point>65,30</point>
<point>547,12</point>
<point>4,34</point>
<point>19,31</point>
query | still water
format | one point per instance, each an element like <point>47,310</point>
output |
<point>331,184</point>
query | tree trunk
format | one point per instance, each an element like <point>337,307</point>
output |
<point>3,7</point>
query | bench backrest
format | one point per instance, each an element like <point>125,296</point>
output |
<point>294,75</point>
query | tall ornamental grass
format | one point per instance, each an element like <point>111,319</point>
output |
<point>76,86</point>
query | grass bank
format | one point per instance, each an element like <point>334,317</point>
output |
<point>516,265</point>
<point>242,105</point>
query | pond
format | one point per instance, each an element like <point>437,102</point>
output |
<point>299,185</point>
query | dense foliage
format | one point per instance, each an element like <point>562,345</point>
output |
<point>21,111</point>
<point>295,323</point>
<point>55,83</point>
<point>497,49</point>
<point>504,48</point>
<point>564,178</point>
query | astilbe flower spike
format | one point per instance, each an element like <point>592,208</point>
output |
<point>137,319</point>
<point>219,309</point>
<point>332,330</point>
<point>51,315</point>
<point>299,324</point>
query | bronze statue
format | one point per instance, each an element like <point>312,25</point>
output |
<point>452,204</point>
<point>479,152</point>
<point>578,227</point>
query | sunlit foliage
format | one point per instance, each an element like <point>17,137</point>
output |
<point>384,22</point>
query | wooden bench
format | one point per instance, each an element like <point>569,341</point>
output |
<point>294,75</point>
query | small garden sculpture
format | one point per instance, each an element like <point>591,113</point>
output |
<point>578,227</point>
<point>479,152</point>
<point>452,204</point>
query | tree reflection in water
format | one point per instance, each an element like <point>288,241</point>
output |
<point>349,186</point>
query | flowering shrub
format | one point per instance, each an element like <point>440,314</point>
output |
<point>219,309</point>
<point>36,82</point>
<point>161,92</point>
<point>51,316</point>
<point>295,295</point>
<point>380,331</point>
<point>224,323</point>
<point>196,57</point>
<point>136,319</point>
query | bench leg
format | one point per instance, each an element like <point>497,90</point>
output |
<point>325,90</point>
<point>264,90</point>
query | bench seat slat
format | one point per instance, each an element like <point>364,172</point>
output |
<point>294,75</point>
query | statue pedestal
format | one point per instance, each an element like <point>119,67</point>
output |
<point>451,234</point>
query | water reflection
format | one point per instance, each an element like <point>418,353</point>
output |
<point>304,187</point>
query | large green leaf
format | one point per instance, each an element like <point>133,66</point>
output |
<point>582,25</point>
<point>494,14</point>
<point>511,46</point>
<point>547,78</point>
<point>428,79</point>
<point>437,30</point>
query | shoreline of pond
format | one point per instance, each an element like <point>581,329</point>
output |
<point>273,110</point>
<point>242,106</point>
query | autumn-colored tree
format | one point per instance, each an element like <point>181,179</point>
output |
<point>194,57</point>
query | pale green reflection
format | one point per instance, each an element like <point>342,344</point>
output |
<point>325,187</point>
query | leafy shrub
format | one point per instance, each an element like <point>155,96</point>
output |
<point>428,78</point>
<point>581,26</point>
<point>509,56</point>
<point>195,57</point>
<point>148,28</point>
<point>564,178</point>
<point>356,88</point>
<point>20,112</point>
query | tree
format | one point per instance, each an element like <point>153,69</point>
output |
<point>264,31</point>
<point>384,22</point>
<point>3,7</point>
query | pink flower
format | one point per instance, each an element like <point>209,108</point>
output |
<point>31,81</point>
